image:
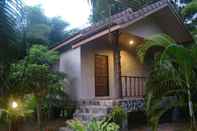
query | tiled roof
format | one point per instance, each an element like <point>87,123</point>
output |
<point>121,18</point>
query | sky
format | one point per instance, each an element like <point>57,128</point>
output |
<point>75,12</point>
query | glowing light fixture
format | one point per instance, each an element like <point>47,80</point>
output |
<point>131,42</point>
<point>14,104</point>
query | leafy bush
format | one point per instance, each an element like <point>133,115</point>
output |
<point>118,115</point>
<point>25,107</point>
<point>69,110</point>
<point>190,9</point>
<point>77,125</point>
<point>14,109</point>
<point>94,125</point>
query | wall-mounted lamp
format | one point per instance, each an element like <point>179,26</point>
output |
<point>14,105</point>
<point>131,42</point>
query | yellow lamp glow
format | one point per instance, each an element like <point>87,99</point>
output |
<point>14,105</point>
<point>131,42</point>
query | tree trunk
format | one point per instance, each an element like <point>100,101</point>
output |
<point>14,125</point>
<point>191,112</point>
<point>38,110</point>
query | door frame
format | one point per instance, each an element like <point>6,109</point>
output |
<point>108,89</point>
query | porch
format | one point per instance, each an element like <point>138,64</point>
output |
<point>111,69</point>
<point>133,86</point>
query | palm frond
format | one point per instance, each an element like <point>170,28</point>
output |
<point>159,40</point>
<point>10,17</point>
<point>190,9</point>
<point>172,79</point>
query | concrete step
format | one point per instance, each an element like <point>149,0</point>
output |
<point>88,109</point>
<point>90,116</point>
<point>96,102</point>
<point>94,109</point>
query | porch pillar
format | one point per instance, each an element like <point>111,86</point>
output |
<point>117,66</point>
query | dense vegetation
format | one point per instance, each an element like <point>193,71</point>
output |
<point>113,122</point>
<point>43,30</point>
<point>27,78</point>
<point>28,81</point>
<point>172,81</point>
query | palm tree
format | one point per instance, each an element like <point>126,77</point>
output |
<point>172,79</point>
<point>190,8</point>
<point>102,9</point>
<point>10,16</point>
<point>189,12</point>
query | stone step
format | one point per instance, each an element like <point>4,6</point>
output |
<point>96,102</point>
<point>90,116</point>
<point>94,112</point>
<point>94,109</point>
<point>65,129</point>
<point>89,110</point>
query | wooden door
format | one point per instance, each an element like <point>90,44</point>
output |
<point>101,75</point>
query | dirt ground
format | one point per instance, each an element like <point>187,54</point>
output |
<point>54,126</point>
<point>32,126</point>
<point>165,127</point>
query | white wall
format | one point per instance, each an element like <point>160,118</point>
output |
<point>70,63</point>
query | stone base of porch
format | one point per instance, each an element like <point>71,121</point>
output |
<point>99,108</point>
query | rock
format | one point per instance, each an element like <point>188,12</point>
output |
<point>64,129</point>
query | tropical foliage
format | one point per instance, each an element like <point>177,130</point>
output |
<point>11,15</point>
<point>112,122</point>
<point>14,108</point>
<point>190,8</point>
<point>25,107</point>
<point>10,36</point>
<point>190,14</point>
<point>33,76</point>
<point>172,82</point>
<point>93,125</point>
<point>118,115</point>
<point>38,77</point>
<point>26,72</point>
<point>102,9</point>
<point>43,30</point>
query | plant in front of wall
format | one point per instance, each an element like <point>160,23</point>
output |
<point>118,115</point>
<point>172,81</point>
<point>94,125</point>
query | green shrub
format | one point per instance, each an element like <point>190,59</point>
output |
<point>118,115</point>
<point>111,123</point>
<point>77,125</point>
<point>93,125</point>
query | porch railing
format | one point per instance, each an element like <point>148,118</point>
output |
<point>133,86</point>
